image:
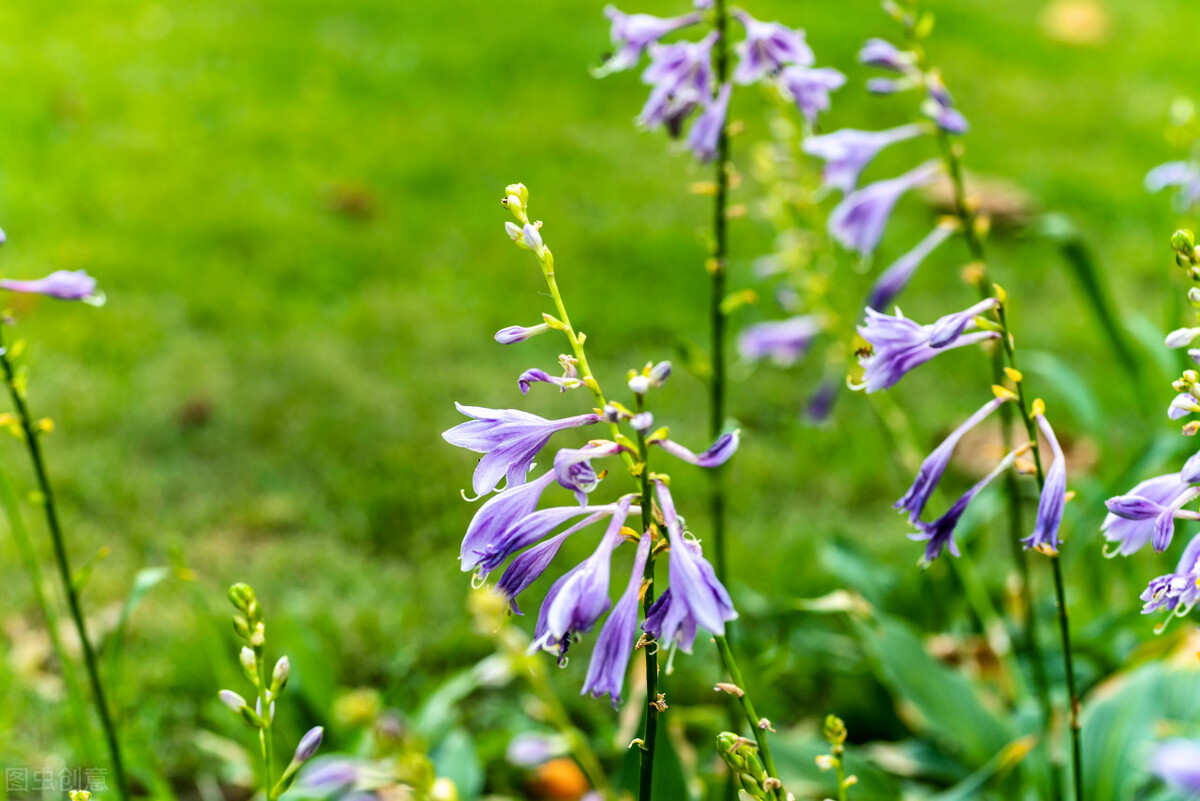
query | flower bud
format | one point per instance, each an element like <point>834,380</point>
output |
<point>309,744</point>
<point>443,789</point>
<point>259,636</point>
<point>1194,296</point>
<point>639,385</point>
<point>533,238</point>
<point>519,190</point>
<point>515,234</point>
<point>1183,242</point>
<point>232,700</point>
<point>1181,337</point>
<point>249,662</point>
<point>516,333</point>
<point>279,676</point>
<point>659,374</point>
<point>516,206</point>
<point>642,422</point>
<point>241,596</point>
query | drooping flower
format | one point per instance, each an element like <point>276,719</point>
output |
<point>768,48</point>
<point>1185,175</point>
<point>1158,519</point>
<point>784,342</point>
<point>885,55</point>
<point>809,88</point>
<point>951,120</point>
<point>1176,592</point>
<point>681,77</point>
<point>519,333</point>
<point>528,566</point>
<point>705,134</point>
<point>939,534</point>
<point>931,470</point>
<point>573,466</point>
<point>500,513</point>
<point>610,659</point>
<point>892,281</point>
<point>1177,762</point>
<point>1132,532</point>
<point>847,152</point>
<point>899,345</point>
<point>858,221</point>
<point>509,440</point>
<point>717,454</point>
<point>61,284</point>
<point>1054,495</point>
<point>532,529</point>
<point>633,33</point>
<point>535,376</point>
<point>695,598</point>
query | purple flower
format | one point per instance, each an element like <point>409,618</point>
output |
<point>328,775</point>
<point>858,221</point>
<point>783,341</point>
<point>610,658</point>
<point>530,749</point>
<point>939,534</point>
<point>951,120</point>
<point>529,565</point>
<point>1141,508</point>
<point>885,55</point>
<point>532,529</point>
<point>809,88</point>
<point>931,470</point>
<point>1182,405</point>
<point>309,744</point>
<point>820,405</point>
<point>573,466</point>
<point>695,598</point>
<point>705,134</point>
<point>1177,762</point>
<point>847,152</point>
<point>681,76</point>
<point>717,454</point>
<point>1131,523</point>
<point>1054,495</point>
<point>892,281</point>
<point>499,514</point>
<point>767,48</point>
<point>632,33</point>
<point>509,440</point>
<point>61,284</point>
<point>517,333</point>
<point>1182,174</point>
<point>890,86</point>
<point>899,345</point>
<point>1176,592</point>
<point>536,376</point>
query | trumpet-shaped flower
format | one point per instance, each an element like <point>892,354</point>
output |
<point>61,284</point>
<point>899,345</point>
<point>784,342</point>
<point>931,470</point>
<point>1176,592</point>
<point>717,454</point>
<point>768,48</point>
<point>681,77</point>
<point>633,33</point>
<point>939,534</point>
<point>573,466</point>
<point>705,134</point>
<point>695,598</point>
<point>1131,519</point>
<point>847,152</point>
<point>1054,495</point>
<point>809,88</point>
<point>614,645</point>
<point>532,529</point>
<point>529,565</point>
<point>859,220</point>
<point>535,376</point>
<point>894,279</point>
<point>500,513</point>
<point>509,440</point>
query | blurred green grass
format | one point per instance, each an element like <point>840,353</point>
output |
<point>293,209</point>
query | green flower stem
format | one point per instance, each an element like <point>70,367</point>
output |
<point>760,734</point>
<point>650,730</point>
<point>34,447</point>
<point>266,737</point>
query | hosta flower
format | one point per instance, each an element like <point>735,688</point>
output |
<point>885,55</point>
<point>633,33</point>
<point>784,342</point>
<point>61,284</point>
<point>519,333</point>
<point>894,279</point>
<point>681,77</point>
<point>950,120</point>
<point>890,86</point>
<point>1054,495</point>
<point>939,534</point>
<point>717,454</point>
<point>1176,592</point>
<point>858,221</point>
<point>509,440</point>
<point>1177,762</point>
<point>847,152</point>
<point>536,376</point>
<point>614,645</point>
<point>899,345</point>
<point>1134,526</point>
<point>767,48</point>
<point>532,529</point>
<point>705,134</point>
<point>931,470</point>
<point>531,563</point>
<point>1185,175</point>
<point>573,466</point>
<point>500,513</point>
<point>695,598</point>
<point>809,88</point>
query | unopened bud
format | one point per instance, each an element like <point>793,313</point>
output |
<point>518,333</point>
<point>519,190</point>
<point>232,700</point>
<point>1193,296</point>
<point>642,422</point>
<point>659,374</point>
<point>824,761</point>
<point>309,744</point>
<point>279,676</point>
<point>515,233</point>
<point>639,385</point>
<point>1183,242</point>
<point>514,204</point>
<point>241,596</point>
<point>533,239</point>
<point>249,663</point>
<point>1181,337</point>
<point>443,789</point>
<point>259,636</point>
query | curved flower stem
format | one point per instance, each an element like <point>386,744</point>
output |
<point>760,733</point>
<point>650,731</point>
<point>975,244</point>
<point>34,447</point>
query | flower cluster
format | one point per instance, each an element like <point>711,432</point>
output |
<point>682,77</point>
<point>1147,513</point>
<point>509,526</point>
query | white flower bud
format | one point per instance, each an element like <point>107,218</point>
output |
<point>279,676</point>
<point>639,385</point>
<point>1181,337</point>
<point>232,700</point>
<point>248,660</point>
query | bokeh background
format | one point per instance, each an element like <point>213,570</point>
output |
<point>293,209</point>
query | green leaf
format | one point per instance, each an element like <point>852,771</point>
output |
<point>143,583</point>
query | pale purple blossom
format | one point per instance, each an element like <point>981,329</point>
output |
<point>509,440</point>
<point>1184,175</point>
<point>859,220</point>
<point>1136,525</point>
<point>820,404</point>
<point>309,744</point>
<point>528,566</point>
<point>809,88</point>
<point>717,454</point>
<point>899,345</point>
<point>633,33</point>
<point>681,77</point>
<point>499,514</point>
<point>614,645</point>
<point>885,55</point>
<point>847,152</point>
<point>705,134</point>
<point>951,120</point>
<point>519,333</point>
<point>530,749</point>
<point>1182,405</point>
<point>895,278</point>
<point>535,376</point>
<point>532,529</point>
<point>1054,494</point>
<point>61,284</point>
<point>784,342</point>
<point>1176,592</point>
<point>890,86</point>
<point>1177,762</point>
<point>939,534</point>
<point>573,466</point>
<point>767,48</point>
